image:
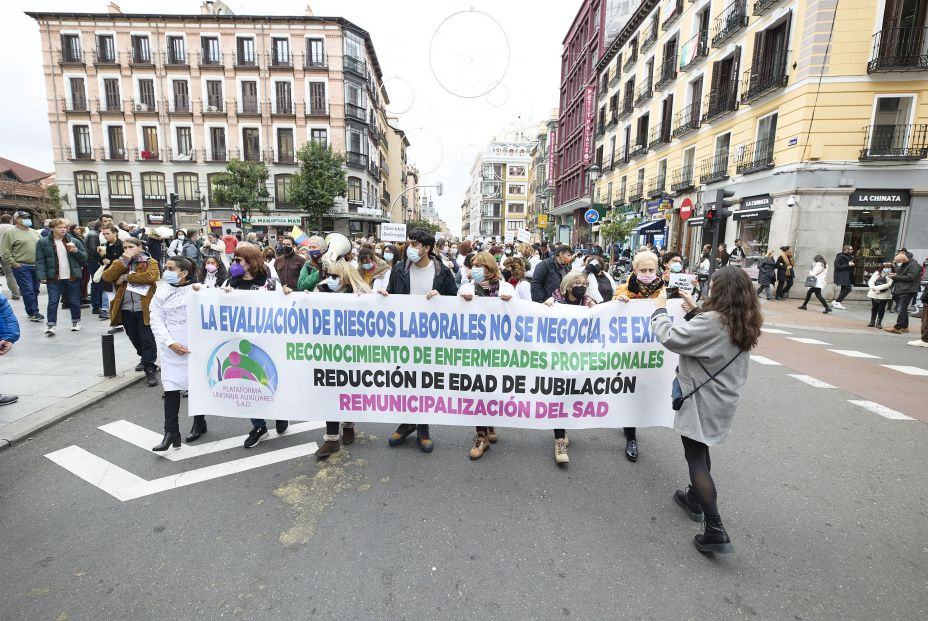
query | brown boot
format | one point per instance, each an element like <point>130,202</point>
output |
<point>328,447</point>
<point>894,330</point>
<point>491,435</point>
<point>347,435</point>
<point>481,445</point>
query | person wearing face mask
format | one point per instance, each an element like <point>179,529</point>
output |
<point>214,273</point>
<point>548,274</point>
<point>673,264</point>
<point>374,271</point>
<point>905,286</point>
<point>879,291</point>
<point>168,313</point>
<point>600,285</point>
<point>817,276</point>
<point>391,254</point>
<point>572,290</point>
<point>213,247</point>
<point>311,271</point>
<point>514,274</point>
<point>497,252</point>
<point>59,262</point>
<point>289,263</point>
<point>644,283</point>
<point>18,251</point>
<point>176,247</point>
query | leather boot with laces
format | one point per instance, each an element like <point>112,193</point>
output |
<point>491,435</point>
<point>328,447</point>
<point>481,445</point>
<point>687,500</point>
<point>715,539</point>
<point>560,451</point>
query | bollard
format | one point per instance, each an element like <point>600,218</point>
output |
<point>109,356</point>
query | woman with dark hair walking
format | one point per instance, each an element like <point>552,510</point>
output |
<point>816,281</point>
<point>713,346</point>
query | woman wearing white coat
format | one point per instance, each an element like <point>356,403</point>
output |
<point>168,313</point>
<point>819,272</point>
<point>600,285</point>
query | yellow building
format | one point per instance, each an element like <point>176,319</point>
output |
<point>814,116</point>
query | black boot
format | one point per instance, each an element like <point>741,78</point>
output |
<point>151,377</point>
<point>871,324</point>
<point>198,429</point>
<point>687,500</point>
<point>715,539</point>
<point>803,307</point>
<point>171,438</point>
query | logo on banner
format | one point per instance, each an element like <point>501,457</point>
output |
<point>242,374</point>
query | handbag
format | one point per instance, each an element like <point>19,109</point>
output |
<point>811,282</point>
<point>98,275</point>
<point>678,401</point>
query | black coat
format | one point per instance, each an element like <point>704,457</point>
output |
<point>546,279</point>
<point>843,270</point>
<point>766,271</point>
<point>444,281</point>
<point>907,279</point>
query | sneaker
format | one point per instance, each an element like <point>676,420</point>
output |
<point>114,330</point>
<point>328,447</point>
<point>76,326</point>
<point>140,366</point>
<point>560,451</point>
<point>425,441</point>
<point>918,343</point>
<point>8,399</point>
<point>255,435</point>
<point>481,445</point>
<point>50,330</point>
<point>491,435</point>
<point>36,318</point>
<point>281,426</point>
<point>399,436</point>
<point>95,310</point>
<point>838,305</point>
<point>104,316</point>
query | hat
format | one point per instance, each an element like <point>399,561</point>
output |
<point>22,215</point>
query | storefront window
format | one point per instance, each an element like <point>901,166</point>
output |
<point>755,237</point>
<point>874,234</point>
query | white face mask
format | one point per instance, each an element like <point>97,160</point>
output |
<point>334,283</point>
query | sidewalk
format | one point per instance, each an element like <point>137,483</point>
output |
<point>55,377</point>
<point>786,314</point>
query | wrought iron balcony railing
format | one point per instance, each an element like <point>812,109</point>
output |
<point>687,119</point>
<point>693,51</point>
<point>356,160</point>
<point>900,49</point>
<point>768,77</point>
<point>895,143</point>
<point>659,136</point>
<point>714,168</point>
<point>355,113</point>
<point>656,186</point>
<point>681,179</point>
<point>628,106</point>
<point>667,73</point>
<point>734,17</point>
<point>677,12</point>
<point>648,37</point>
<point>755,156</point>
<point>643,93</point>
<point>720,103</point>
<point>636,191</point>
<point>761,6</point>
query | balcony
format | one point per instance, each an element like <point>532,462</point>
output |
<point>77,154</point>
<point>714,168</point>
<point>151,154</point>
<point>355,113</point>
<point>210,60</point>
<point>280,60</point>
<point>639,149</point>
<point>216,155</point>
<point>601,127</point>
<point>677,12</point>
<point>693,51</point>
<point>636,192</point>
<point>667,73</point>
<point>355,66</point>
<point>141,58</point>
<point>385,196</point>
<point>613,119</point>
<point>899,49</point>
<point>282,156</point>
<point>659,136</point>
<point>316,109</point>
<point>113,154</point>
<point>143,107</point>
<point>177,59</point>
<point>885,143</point>
<point>356,160</point>
<point>656,186</point>
<point>686,120</point>
<point>283,108</point>
<point>719,103</point>
<point>71,57</point>
<point>767,78</point>
<point>181,156</point>
<point>251,155</point>
<point>734,17</point>
<point>315,61</point>
<point>246,60</point>
<point>628,106</point>
<point>249,107</point>
<point>75,104</point>
<point>615,77</point>
<point>643,93</point>
<point>761,6</point>
<point>681,179</point>
<point>648,37</point>
<point>110,106</point>
<point>755,156</point>
<point>105,58</point>
<point>214,106</point>
<point>374,171</point>
<point>630,61</point>
<point>180,105</point>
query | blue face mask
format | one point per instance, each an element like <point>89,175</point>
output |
<point>676,268</point>
<point>315,254</point>
<point>388,256</point>
<point>367,266</point>
<point>334,283</point>
<point>172,278</point>
<point>27,222</point>
<point>413,254</point>
<point>887,270</point>
<point>478,274</point>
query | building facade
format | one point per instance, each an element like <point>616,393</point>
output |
<point>541,182</point>
<point>23,188</point>
<point>497,199</point>
<point>814,115</point>
<point>144,106</point>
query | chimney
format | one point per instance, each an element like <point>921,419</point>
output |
<point>113,9</point>
<point>309,11</point>
<point>206,8</point>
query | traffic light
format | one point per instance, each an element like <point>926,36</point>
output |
<point>723,203</point>
<point>170,208</point>
<point>237,220</point>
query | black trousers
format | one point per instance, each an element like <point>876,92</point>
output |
<point>845,290</point>
<point>903,300</point>
<point>818,294</point>
<point>877,309</point>
<point>141,336</point>
<point>631,433</point>
<point>171,409</point>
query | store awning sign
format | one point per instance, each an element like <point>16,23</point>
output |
<point>756,202</point>
<point>879,198</point>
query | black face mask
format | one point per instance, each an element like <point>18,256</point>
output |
<point>507,274</point>
<point>594,268</point>
<point>288,250</point>
<point>578,292</point>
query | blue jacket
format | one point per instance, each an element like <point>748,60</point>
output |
<point>9,327</point>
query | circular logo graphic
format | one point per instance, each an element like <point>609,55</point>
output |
<point>241,375</point>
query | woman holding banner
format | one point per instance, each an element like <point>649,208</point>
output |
<point>487,282</point>
<point>373,269</point>
<point>711,374</point>
<point>572,291</point>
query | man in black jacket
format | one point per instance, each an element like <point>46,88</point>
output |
<point>546,278</point>
<point>844,265</point>
<point>421,274</point>
<point>905,285</point>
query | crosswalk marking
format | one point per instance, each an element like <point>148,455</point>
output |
<point>882,410</point>
<point>852,353</point>
<point>144,438</point>
<point>763,360</point>
<point>807,341</point>
<point>811,381</point>
<point>905,369</point>
<point>123,485</point>
<point>774,331</point>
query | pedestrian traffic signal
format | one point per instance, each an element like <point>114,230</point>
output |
<point>170,208</point>
<point>723,203</point>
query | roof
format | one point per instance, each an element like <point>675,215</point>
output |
<point>24,173</point>
<point>120,17</point>
<point>637,18</point>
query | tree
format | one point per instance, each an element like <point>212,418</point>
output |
<point>423,224</point>
<point>244,186</point>
<point>617,228</point>
<point>53,193</point>
<point>320,180</point>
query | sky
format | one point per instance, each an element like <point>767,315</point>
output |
<point>457,73</point>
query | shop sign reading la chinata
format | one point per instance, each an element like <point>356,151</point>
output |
<point>446,361</point>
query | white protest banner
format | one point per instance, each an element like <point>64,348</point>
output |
<point>391,231</point>
<point>446,361</point>
<point>524,236</point>
<point>439,235</point>
<point>510,237</point>
<point>683,282</point>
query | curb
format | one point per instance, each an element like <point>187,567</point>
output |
<point>37,421</point>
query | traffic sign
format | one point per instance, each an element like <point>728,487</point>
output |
<point>591,216</point>
<point>686,209</point>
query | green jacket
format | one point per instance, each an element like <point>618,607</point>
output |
<point>18,246</point>
<point>46,259</point>
<point>309,277</point>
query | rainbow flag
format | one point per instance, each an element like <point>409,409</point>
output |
<point>299,237</point>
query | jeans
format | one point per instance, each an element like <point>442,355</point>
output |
<point>56,288</point>
<point>28,282</point>
<point>902,306</point>
<point>764,289</point>
<point>96,288</point>
<point>141,337</point>
<point>845,290</point>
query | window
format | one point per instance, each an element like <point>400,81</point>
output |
<point>689,161</point>
<point>514,225</point>
<point>284,98</point>
<point>211,181</point>
<point>722,146</point>
<point>141,51</point>
<point>315,53</point>
<point>766,137</point>
<point>86,184</point>
<point>284,145</point>
<point>149,142</point>
<point>82,149</point>
<point>317,98</point>
<point>185,185</point>
<point>251,143</point>
<point>120,185</point>
<point>217,139</point>
<point>249,97</point>
<point>177,52</point>
<point>517,171</point>
<point>280,51</point>
<point>354,46</point>
<point>319,135</point>
<point>78,94</point>
<point>516,207</point>
<point>662,174</point>
<point>245,52</point>
<point>184,142</point>
<point>147,94</point>
<point>891,131</point>
<point>106,49</point>
<point>71,48</point>
<point>357,140</point>
<point>612,152</point>
<point>876,233</point>
<point>210,54</point>
<point>768,61</point>
<point>354,190</point>
<point>214,98</point>
<point>516,189</point>
<point>282,184</point>
<point>181,96</point>
<point>111,94</point>
<point>117,143</point>
<point>153,187</point>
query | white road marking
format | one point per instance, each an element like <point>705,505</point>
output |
<point>851,353</point>
<point>774,331</point>
<point>811,381</point>
<point>800,339</point>
<point>123,485</point>
<point>882,410</point>
<point>145,439</point>
<point>905,369</point>
<point>762,360</point>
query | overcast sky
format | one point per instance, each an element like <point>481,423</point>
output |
<point>468,57</point>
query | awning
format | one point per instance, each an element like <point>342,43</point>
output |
<point>651,227</point>
<point>570,207</point>
<point>695,222</point>
<point>762,213</point>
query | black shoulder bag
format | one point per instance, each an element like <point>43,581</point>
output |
<point>678,402</point>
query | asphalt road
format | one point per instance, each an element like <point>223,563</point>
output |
<point>826,503</point>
